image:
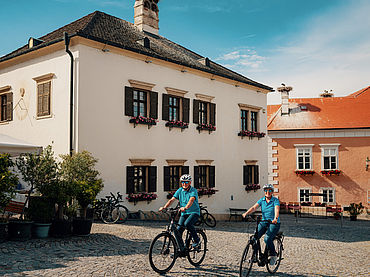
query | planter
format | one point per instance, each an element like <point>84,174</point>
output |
<point>40,230</point>
<point>81,227</point>
<point>251,134</point>
<point>353,217</point>
<point>61,228</point>
<point>3,231</point>
<point>20,230</point>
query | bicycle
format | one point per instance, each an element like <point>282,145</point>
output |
<point>113,211</point>
<point>253,253</point>
<point>205,217</point>
<point>164,249</point>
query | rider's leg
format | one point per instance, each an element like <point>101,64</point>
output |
<point>262,228</point>
<point>180,230</point>
<point>270,235</point>
<point>189,224</point>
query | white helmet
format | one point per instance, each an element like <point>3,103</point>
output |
<point>185,177</point>
<point>268,186</point>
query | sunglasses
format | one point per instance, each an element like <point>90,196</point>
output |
<point>266,190</point>
<point>184,182</point>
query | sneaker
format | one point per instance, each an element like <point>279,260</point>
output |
<point>182,254</point>
<point>273,260</point>
<point>196,244</point>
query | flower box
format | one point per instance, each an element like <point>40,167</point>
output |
<point>330,172</point>
<point>251,134</point>
<point>144,196</point>
<point>207,127</point>
<point>304,172</point>
<point>306,203</point>
<point>177,124</point>
<point>206,191</point>
<point>250,187</point>
<point>143,120</point>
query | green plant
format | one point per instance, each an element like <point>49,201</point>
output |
<point>40,209</point>
<point>355,209</point>
<point>79,170</point>
<point>8,181</point>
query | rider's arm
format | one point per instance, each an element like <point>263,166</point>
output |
<point>191,201</point>
<point>251,210</point>
<point>169,202</point>
<point>277,213</point>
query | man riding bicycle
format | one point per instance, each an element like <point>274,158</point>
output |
<point>270,208</point>
<point>190,211</point>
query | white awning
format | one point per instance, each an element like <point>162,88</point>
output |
<point>15,146</point>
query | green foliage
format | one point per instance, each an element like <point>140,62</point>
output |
<point>40,209</point>
<point>8,181</point>
<point>79,170</point>
<point>355,209</point>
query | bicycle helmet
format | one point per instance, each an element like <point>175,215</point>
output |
<point>268,186</point>
<point>185,177</point>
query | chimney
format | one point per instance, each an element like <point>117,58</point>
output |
<point>284,99</point>
<point>146,16</point>
<point>327,94</point>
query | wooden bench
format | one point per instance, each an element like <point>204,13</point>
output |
<point>14,207</point>
<point>236,212</point>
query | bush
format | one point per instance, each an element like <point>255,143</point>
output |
<point>8,181</point>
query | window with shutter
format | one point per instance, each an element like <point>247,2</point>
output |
<point>196,111</point>
<point>204,176</point>
<point>4,105</point>
<point>185,109</point>
<point>43,98</point>
<point>250,174</point>
<point>172,176</point>
<point>152,186</point>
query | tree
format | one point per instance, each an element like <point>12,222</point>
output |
<point>8,181</point>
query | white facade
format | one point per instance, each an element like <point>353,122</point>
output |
<point>102,128</point>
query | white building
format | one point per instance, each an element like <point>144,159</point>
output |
<point>122,70</point>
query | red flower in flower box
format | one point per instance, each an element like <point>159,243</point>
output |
<point>143,120</point>
<point>300,172</point>
<point>331,172</point>
<point>250,187</point>
<point>177,123</point>
<point>208,127</point>
<point>251,134</point>
<point>206,191</point>
<point>144,196</point>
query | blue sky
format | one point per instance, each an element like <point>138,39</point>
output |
<point>310,45</point>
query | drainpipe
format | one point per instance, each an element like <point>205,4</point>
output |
<point>66,42</point>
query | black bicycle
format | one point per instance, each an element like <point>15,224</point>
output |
<point>253,253</point>
<point>205,217</point>
<point>114,211</point>
<point>164,249</point>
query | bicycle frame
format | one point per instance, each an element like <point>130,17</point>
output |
<point>255,241</point>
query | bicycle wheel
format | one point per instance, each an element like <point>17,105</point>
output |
<point>247,260</point>
<point>108,216</point>
<point>196,255</point>
<point>209,220</point>
<point>121,212</point>
<point>162,253</point>
<point>279,251</point>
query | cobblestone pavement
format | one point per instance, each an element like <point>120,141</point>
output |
<point>313,247</point>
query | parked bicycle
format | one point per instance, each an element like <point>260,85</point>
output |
<point>114,211</point>
<point>164,249</point>
<point>205,217</point>
<point>253,253</point>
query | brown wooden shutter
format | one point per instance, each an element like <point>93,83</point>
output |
<point>166,179</point>
<point>184,170</point>
<point>212,176</point>
<point>152,186</point>
<point>46,101</point>
<point>153,113</point>
<point>40,92</point>
<point>212,114</point>
<point>245,175</point>
<point>196,111</point>
<point>185,109</point>
<point>129,179</point>
<point>165,106</point>
<point>196,177</point>
<point>256,175</point>
<point>9,106</point>
<point>129,98</point>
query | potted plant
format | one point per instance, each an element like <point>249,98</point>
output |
<point>79,170</point>
<point>354,210</point>
<point>40,211</point>
<point>336,215</point>
<point>8,183</point>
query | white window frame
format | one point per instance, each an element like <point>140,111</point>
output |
<point>335,147</point>
<point>322,197</point>
<point>309,197</point>
<point>303,146</point>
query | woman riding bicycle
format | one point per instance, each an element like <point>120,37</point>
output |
<point>270,208</point>
<point>190,211</point>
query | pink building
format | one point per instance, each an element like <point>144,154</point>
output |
<point>320,145</point>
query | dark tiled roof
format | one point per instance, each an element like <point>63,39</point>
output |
<point>114,31</point>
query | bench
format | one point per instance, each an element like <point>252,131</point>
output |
<point>14,207</point>
<point>235,212</point>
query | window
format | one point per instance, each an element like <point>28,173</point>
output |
<point>44,88</point>
<point>175,108</point>
<point>250,174</point>
<point>328,195</point>
<point>244,120</point>
<point>304,156</point>
<point>303,195</point>
<point>254,121</point>
<point>6,104</point>
<point>204,112</point>
<point>172,176</point>
<point>204,176</point>
<point>141,179</point>
<point>140,102</point>
<point>329,154</point>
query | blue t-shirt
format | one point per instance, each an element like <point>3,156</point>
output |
<point>268,209</point>
<point>184,196</point>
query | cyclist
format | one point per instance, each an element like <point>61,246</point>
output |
<point>270,208</point>
<point>190,211</point>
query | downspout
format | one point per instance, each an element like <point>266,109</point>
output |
<point>66,42</point>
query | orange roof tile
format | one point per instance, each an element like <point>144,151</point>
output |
<point>352,111</point>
